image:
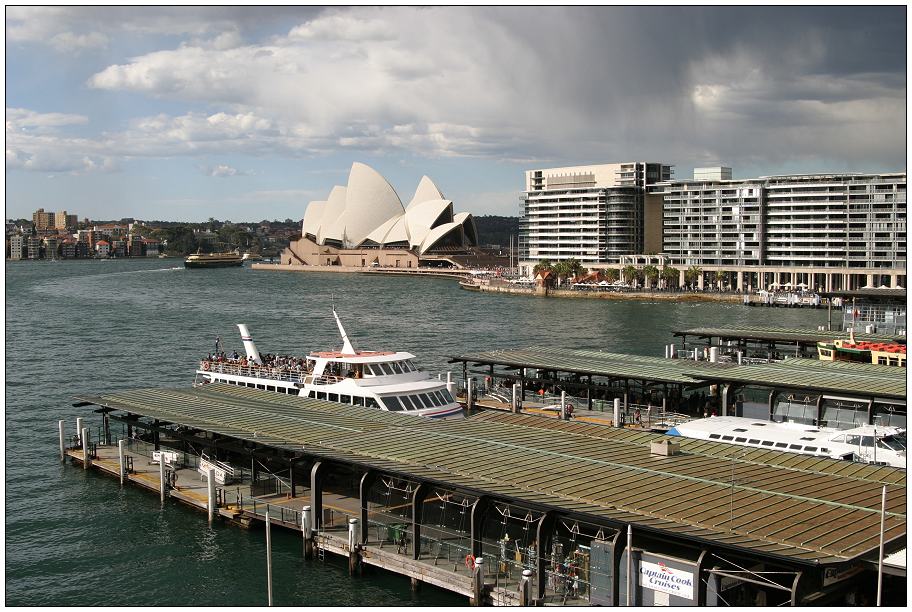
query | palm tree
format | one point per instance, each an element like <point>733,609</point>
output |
<point>630,273</point>
<point>720,276</point>
<point>575,268</point>
<point>543,266</point>
<point>670,275</point>
<point>651,273</point>
<point>612,274</point>
<point>692,274</point>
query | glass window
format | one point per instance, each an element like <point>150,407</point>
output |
<point>795,446</point>
<point>853,440</point>
<point>433,398</point>
<point>781,445</point>
<point>409,366</point>
<point>270,388</point>
<point>371,402</point>
<point>407,402</point>
<point>441,398</point>
<point>867,440</point>
<point>729,438</point>
<point>359,401</point>
<point>395,368</point>
<point>392,403</point>
<point>425,400</point>
<point>261,387</point>
<point>384,369</point>
<point>446,395</point>
<point>345,399</point>
<point>767,443</point>
<point>714,436</point>
<point>752,441</point>
<point>740,439</point>
<point>333,397</point>
<point>368,370</point>
<point>812,449</point>
<point>321,395</point>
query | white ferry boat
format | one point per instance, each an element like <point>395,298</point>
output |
<point>374,379</point>
<point>866,444</point>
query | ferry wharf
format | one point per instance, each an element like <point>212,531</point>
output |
<point>654,392</point>
<point>512,509</point>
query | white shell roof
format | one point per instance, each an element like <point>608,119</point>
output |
<point>427,190</point>
<point>369,209</point>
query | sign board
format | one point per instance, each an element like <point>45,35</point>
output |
<point>170,457</point>
<point>831,575</point>
<point>660,577</point>
<point>205,466</point>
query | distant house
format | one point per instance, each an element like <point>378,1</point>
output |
<point>545,278</point>
<point>152,247</point>
<point>102,248</point>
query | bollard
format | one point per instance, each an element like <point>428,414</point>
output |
<point>210,490</point>
<point>470,400</point>
<point>268,556</point>
<point>696,357</point>
<point>617,412</point>
<point>161,476</point>
<point>449,383</point>
<point>714,354</point>
<point>120,460</point>
<point>563,406</point>
<point>79,429</point>
<point>478,581</point>
<point>515,404</point>
<point>306,522</point>
<point>62,442</point>
<point>85,448</point>
<point>525,588</point>
<point>353,557</point>
<point>740,357</point>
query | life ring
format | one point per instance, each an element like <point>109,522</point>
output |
<point>470,562</point>
<point>206,366</point>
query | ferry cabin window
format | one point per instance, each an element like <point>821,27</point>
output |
<point>781,445</point>
<point>407,402</point>
<point>345,399</point>
<point>867,440</point>
<point>752,441</point>
<point>812,449</point>
<point>767,443</point>
<point>727,438</point>
<point>261,387</point>
<point>408,366</point>
<point>321,395</point>
<point>853,440</point>
<point>714,436</point>
<point>739,430</point>
<point>397,369</point>
<point>371,402</point>
<point>359,401</point>
<point>440,398</point>
<point>446,395</point>
<point>740,439</point>
<point>368,370</point>
<point>386,369</point>
<point>392,403</point>
<point>427,400</point>
<point>795,446</point>
<point>270,388</point>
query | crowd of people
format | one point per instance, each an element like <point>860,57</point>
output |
<point>275,365</point>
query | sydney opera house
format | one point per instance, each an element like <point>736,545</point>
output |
<point>365,224</point>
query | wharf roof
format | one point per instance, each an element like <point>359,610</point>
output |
<point>781,335</point>
<point>876,294</point>
<point>598,363</point>
<point>855,379</point>
<point>793,507</point>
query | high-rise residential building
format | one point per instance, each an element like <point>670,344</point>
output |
<point>17,247</point>
<point>33,247</point>
<point>594,213</point>
<point>811,220</point>
<point>43,220</point>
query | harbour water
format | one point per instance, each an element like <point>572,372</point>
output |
<point>76,538</point>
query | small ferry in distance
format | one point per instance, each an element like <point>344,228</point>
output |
<point>382,380</point>
<point>213,260</point>
<point>879,445</point>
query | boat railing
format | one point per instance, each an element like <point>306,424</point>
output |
<point>253,371</point>
<point>326,379</point>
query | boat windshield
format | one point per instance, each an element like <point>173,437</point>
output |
<point>895,443</point>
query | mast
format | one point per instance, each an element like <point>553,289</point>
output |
<point>347,347</point>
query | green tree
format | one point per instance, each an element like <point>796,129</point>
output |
<point>543,266</point>
<point>692,274</point>
<point>179,239</point>
<point>575,268</point>
<point>670,275</point>
<point>651,273</point>
<point>720,276</point>
<point>611,275</point>
<point>630,273</point>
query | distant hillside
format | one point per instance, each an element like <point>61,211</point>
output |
<point>496,230</point>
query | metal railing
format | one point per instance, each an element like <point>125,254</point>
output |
<point>254,371</point>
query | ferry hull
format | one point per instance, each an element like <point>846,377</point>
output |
<point>214,264</point>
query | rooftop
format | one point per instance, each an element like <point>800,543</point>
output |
<point>805,509</point>
<point>778,334</point>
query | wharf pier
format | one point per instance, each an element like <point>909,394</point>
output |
<point>513,508</point>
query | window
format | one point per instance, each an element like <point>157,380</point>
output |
<point>714,436</point>
<point>395,367</point>
<point>759,424</point>
<point>824,450</point>
<point>407,402</point>
<point>359,401</point>
<point>345,399</point>
<point>371,402</point>
<point>333,397</point>
<point>261,387</point>
<point>781,445</point>
<point>740,439</point>
<point>425,400</point>
<point>385,369</point>
<point>321,395</point>
<point>728,438</point>
<point>867,440</point>
<point>767,443</point>
<point>270,388</point>
<point>807,438</point>
<point>392,403</point>
<point>752,441</point>
<point>812,449</point>
<point>853,440</point>
<point>795,446</point>
<point>441,397</point>
<point>369,370</point>
<point>739,429</point>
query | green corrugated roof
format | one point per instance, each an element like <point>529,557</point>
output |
<point>598,363</point>
<point>809,510</point>
<point>780,335</point>
<point>855,379</point>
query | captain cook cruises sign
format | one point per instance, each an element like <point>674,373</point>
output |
<point>660,577</point>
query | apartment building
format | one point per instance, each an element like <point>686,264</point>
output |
<point>592,213</point>
<point>17,247</point>
<point>819,220</point>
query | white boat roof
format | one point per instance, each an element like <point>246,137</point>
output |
<point>897,559</point>
<point>420,386</point>
<point>362,356</point>
<point>771,430</point>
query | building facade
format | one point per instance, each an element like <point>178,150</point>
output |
<point>17,247</point>
<point>594,214</point>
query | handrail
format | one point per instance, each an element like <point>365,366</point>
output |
<point>253,371</point>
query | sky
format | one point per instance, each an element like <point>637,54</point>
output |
<point>248,113</point>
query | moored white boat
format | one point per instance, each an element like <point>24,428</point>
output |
<point>880,445</point>
<point>381,380</point>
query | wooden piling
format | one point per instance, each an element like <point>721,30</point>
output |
<point>60,428</point>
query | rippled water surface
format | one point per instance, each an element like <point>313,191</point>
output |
<point>74,538</point>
